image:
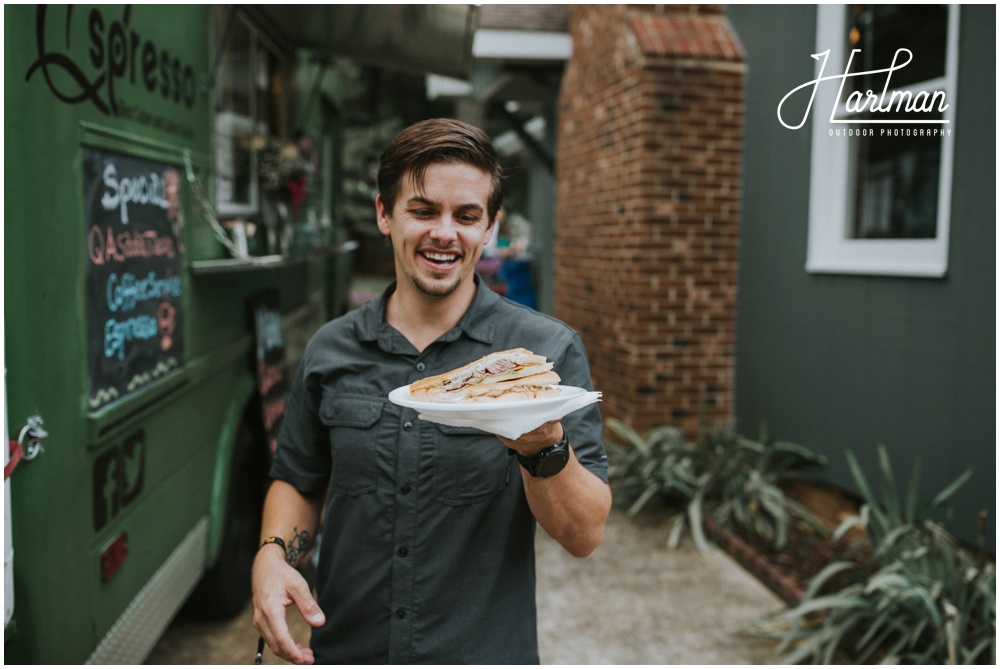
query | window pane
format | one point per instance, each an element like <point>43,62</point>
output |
<point>235,166</point>
<point>233,83</point>
<point>896,167</point>
<point>880,30</point>
<point>271,92</point>
<point>896,171</point>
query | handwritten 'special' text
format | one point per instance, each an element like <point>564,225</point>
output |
<point>148,189</point>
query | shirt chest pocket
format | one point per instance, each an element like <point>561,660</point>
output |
<point>353,425</point>
<point>470,466</point>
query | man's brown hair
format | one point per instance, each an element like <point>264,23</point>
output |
<point>438,140</point>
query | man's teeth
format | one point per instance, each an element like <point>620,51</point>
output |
<point>441,257</point>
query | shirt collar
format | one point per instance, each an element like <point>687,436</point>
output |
<point>475,322</point>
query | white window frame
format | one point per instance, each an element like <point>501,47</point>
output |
<point>830,247</point>
<point>232,129</point>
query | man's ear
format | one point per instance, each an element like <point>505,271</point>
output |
<point>382,216</point>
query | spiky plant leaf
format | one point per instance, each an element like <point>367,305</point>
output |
<point>910,506</point>
<point>946,494</point>
<point>890,499</point>
<point>695,515</point>
<point>676,531</point>
<point>646,495</point>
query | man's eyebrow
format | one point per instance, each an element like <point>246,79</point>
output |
<point>421,200</point>
<point>417,199</point>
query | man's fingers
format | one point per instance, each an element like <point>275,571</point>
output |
<point>271,623</point>
<point>262,625</point>
<point>276,586</point>
<point>544,435</point>
<point>281,641</point>
<point>284,646</point>
<point>307,606</point>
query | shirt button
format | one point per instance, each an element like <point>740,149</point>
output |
<point>400,613</point>
<point>405,489</point>
<point>403,551</point>
<point>408,425</point>
<point>421,366</point>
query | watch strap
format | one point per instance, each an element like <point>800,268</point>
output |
<point>549,461</point>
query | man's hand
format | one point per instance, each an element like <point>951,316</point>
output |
<point>276,586</point>
<point>530,443</point>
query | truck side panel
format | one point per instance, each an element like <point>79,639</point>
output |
<point>123,481</point>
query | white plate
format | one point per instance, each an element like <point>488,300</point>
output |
<point>401,396</point>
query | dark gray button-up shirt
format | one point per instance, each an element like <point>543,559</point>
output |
<point>427,550</point>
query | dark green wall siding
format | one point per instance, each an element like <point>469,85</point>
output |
<point>838,362</point>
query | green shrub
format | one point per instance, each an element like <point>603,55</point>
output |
<point>735,480</point>
<point>924,599</point>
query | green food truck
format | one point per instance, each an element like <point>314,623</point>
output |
<point>170,244</point>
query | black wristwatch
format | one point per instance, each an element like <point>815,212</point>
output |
<point>549,461</point>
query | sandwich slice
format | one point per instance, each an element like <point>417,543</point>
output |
<point>516,374</point>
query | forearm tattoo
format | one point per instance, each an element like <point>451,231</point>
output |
<point>300,545</point>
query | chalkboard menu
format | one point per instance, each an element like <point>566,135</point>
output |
<point>270,364</point>
<point>134,284</point>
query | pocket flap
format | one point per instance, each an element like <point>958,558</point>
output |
<point>451,430</point>
<point>350,411</point>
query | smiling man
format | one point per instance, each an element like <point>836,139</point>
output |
<point>438,223</point>
<point>427,530</point>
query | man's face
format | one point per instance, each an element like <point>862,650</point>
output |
<point>438,231</point>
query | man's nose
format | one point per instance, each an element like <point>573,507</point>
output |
<point>444,228</point>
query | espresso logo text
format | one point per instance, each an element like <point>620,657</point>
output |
<point>118,56</point>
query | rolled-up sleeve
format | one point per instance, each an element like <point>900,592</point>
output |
<point>303,454</point>
<point>584,426</point>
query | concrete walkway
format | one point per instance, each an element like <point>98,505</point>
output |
<point>636,601</point>
<point>633,601</point>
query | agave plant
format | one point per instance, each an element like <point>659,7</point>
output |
<point>925,600</point>
<point>734,479</point>
<point>659,464</point>
<point>747,478</point>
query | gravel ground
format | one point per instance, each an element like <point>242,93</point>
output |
<point>634,601</point>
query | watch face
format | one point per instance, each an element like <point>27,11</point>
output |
<point>553,464</point>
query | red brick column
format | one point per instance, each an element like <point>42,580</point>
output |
<point>647,207</point>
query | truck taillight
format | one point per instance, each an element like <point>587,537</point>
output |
<point>113,555</point>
